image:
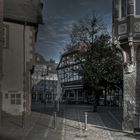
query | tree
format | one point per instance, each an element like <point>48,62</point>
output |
<point>100,62</point>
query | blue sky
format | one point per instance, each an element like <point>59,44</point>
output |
<point>59,16</point>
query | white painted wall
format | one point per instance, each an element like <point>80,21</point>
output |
<point>13,65</point>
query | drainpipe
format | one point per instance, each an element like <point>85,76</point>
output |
<point>1,46</point>
<point>24,74</point>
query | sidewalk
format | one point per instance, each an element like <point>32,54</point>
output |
<point>69,126</point>
<point>75,130</point>
<point>12,129</point>
<point>37,125</point>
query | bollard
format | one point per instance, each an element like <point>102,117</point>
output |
<point>54,120</point>
<point>85,121</point>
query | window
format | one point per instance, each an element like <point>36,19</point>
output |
<point>6,96</point>
<point>18,99</point>
<point>122,8</point>
<point>6,36</point>
<point>79,94</point>
<point>71,94</point>
<point>137,7</point>
<point>15,99</point>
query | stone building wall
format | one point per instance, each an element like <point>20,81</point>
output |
<point>129,99</point>
<point>126,36</point>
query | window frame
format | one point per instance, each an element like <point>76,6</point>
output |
<point>15,99</point>
<point>135,8</point>
<point>121,9</point>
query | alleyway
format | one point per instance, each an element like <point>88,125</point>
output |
<point>103,125</point>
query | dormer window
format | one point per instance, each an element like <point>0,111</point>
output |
<point>137,7</point>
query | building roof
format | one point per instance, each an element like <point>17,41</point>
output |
<point>52,67</point>
<point>39,59</point>
<point>69,54</point>
<point>28,11</point>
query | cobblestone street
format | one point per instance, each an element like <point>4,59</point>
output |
<point>103,125</point>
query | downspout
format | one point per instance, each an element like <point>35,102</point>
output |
<point>1,47</point>
<point>24,74</point>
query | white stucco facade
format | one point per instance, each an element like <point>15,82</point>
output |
<point>17,61</point>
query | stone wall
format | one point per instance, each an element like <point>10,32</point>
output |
<point>129,100</point>
<point>126,36</point>
<point>132,90</point>
<point>138,78</point>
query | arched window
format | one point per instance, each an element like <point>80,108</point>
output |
<point>137,7</point>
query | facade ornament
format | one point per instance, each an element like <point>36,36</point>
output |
<point>117,44</point>
<point>129,67</point>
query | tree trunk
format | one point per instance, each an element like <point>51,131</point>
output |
<point>105,97</point>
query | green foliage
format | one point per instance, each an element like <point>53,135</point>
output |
<point>100,62</point>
